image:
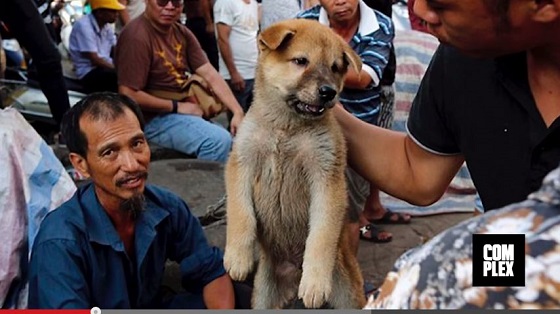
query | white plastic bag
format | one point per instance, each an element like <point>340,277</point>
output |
<point>32,183</point>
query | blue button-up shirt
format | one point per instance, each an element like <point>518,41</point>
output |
<point>79,261</point>
<point>86,36</point>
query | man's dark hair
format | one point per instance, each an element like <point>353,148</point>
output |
<point>106,106</point>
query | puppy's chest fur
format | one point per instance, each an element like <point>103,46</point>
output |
<point>285,163</point>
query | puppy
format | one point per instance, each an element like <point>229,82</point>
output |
<point>285,175</point>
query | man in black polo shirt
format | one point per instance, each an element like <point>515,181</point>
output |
<point>491,96</point>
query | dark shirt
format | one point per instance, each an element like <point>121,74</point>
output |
<point>79,261</point>
<point>484,110</point>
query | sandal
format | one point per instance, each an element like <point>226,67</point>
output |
<point>388,219</point>
<point>373,234</point>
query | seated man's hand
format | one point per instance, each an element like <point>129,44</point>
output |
<point>219,294</point>
<point>191,108</point>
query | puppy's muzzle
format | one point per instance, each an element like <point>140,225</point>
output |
<point>326,93</point>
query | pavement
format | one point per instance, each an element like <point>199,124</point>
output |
<point>201,185</point>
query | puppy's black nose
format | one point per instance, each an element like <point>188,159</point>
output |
<point>327,93</point>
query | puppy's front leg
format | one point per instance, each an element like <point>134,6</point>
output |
<point>241,222</point>
<point>326,215</point>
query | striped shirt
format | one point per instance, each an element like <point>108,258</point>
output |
<point>372,42</point>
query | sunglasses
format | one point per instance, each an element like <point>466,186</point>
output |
<point>163,3</point>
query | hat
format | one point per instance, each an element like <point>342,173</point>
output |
<point>106,4</point>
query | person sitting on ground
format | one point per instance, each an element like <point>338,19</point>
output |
<point>155,53</point>
<point>91,45</point>
<point>108,245</point>
<point>439,274</point>
<point>360,26</point>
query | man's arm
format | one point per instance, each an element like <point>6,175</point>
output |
<point>395,163</point>
<point>218,294</point>
<point>206,9</point>
<point>221,89</point>
<point>155,104</point>
<point>97,61</point>
<point>56,277</point>
<point>224,30</point>
<point>357,80</point>
<point>374,59</point>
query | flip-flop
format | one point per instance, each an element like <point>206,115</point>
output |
<point>374,234</point>
<point>387,219</point>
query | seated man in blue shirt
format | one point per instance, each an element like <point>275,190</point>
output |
<point>107,246</point>
<point>91,45</point>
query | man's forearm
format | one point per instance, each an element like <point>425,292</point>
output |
<point>218,294</point>
<point>97,61</point>
<point>206,9</point>
<point>227,55</point>
<point>394,163</point>
<point>220,87</point>
<point>357,81</point>
<point>146,101</point>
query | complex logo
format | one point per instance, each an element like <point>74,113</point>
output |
<point>498,260</point>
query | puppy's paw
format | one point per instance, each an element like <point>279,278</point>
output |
<point>315,289</point>
<point>238,263</point>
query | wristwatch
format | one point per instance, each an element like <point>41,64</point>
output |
<point>175,106</point>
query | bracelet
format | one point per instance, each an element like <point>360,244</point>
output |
<point>175,105</point>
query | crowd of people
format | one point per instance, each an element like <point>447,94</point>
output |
<point>490,98</point>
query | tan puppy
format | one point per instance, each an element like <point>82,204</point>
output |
<point>285,175</point>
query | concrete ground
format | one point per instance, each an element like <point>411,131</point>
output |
<point>201,185</point>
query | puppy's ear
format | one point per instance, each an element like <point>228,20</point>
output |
<point>274,36</point>
<point>353,59</point>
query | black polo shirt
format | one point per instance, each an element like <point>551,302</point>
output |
<point>484,110</point>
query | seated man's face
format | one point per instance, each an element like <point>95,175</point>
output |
<point>108,15</point>
<point>117,157</point>
<point>162,12</point>
<point>341,10</point>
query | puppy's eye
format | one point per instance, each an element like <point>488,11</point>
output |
<point>300,61</point>
<point>335,68</point>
